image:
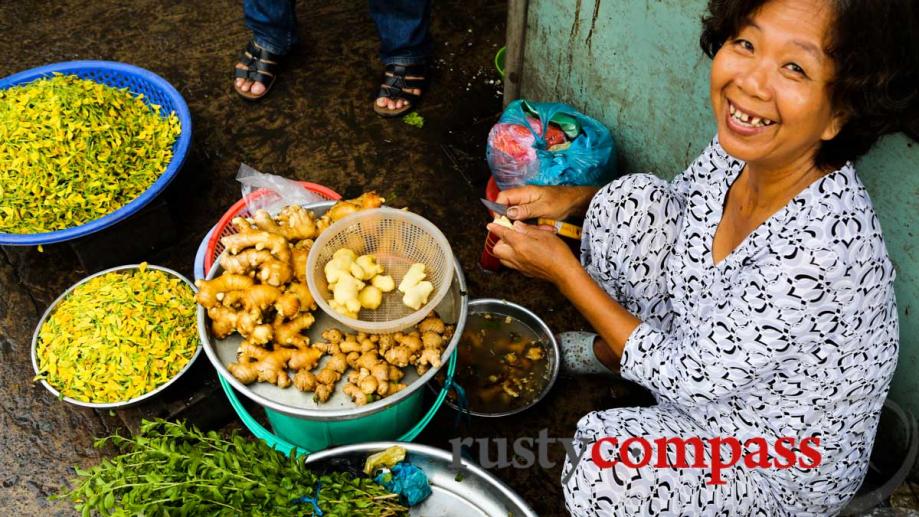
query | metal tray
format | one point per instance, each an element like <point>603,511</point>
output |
<point>108,405</point>
<point>465,491</point>
<point>291,401</point>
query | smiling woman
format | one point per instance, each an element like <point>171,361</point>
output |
<point>753,295</point>
<point>863,54</point>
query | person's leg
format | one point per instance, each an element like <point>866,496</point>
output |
<point>405,41</point>
<point>630,228</point>
<point>274,28</point>
<point>404,30</point>
<point>591,489</point>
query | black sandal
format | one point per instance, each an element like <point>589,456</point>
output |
<point>260,66</point>
<point>395,83</point>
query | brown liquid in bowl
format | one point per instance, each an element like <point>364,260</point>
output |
<point>502,366</point>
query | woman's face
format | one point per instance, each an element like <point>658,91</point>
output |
<point>769,85</point>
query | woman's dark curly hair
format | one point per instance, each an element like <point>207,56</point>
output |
<point>874,45</point>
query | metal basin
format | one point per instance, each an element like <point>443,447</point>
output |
<point>108,405</point>
<point>538,326</point>
<point>457,491</point>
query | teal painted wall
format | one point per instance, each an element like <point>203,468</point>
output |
<point>636,65</point>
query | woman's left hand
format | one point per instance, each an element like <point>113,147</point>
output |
<point>533,251</point>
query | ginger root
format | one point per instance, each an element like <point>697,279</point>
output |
<point>415,288</point>
<point>255,363</point>
<point>339,265</point>
<point>368,267</point>
<point>322,384</point>
<point>276,244</point>
<point>259,263</point>
<point>210,291</point>
<point>289,333</point>
<point>298,258</point>
<point>345,208</point>
<point>345,296</point>
<point>295,223</point>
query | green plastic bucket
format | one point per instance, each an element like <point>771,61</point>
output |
<point>305,436</point>
<point>499,61</point>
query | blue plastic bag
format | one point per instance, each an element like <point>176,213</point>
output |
<point>520,147</point>
<point>406,480</point>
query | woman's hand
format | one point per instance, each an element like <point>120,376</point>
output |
<point>533,251</point>
<point>532,201</point>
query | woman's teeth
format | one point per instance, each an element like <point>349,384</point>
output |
<point>747,120</point>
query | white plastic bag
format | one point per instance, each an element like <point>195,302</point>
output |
<point>286,191</point>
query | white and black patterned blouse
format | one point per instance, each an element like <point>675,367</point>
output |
<point>793,334</point>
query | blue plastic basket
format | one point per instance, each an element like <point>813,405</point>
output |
<point>155,90</point>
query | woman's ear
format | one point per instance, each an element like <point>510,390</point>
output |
<point>833,127</point>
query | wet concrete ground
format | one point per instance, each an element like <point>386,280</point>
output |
<point>317,125</point>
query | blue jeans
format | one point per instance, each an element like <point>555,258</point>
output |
<point>403,27</point>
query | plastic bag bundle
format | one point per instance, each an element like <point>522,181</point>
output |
<point>285,191</point>
<point>545,143</point>
<point>407,480</point>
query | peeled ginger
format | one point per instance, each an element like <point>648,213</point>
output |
<point>356,282</point>
<point>415,288</point>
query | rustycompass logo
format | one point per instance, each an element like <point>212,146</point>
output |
<point>715,454</point>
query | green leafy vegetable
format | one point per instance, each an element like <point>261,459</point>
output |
<point>414,119</point>
<point>173,469</point>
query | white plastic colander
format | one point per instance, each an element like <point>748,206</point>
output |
<point>398,239</point>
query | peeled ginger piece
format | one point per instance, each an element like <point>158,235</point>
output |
<point>503,221</point>
<point>415,288</point>
<point>370,297</point>
<point>384,283</point>
<point>341,263</point>
<point>356,282</point>
<point>368,266</point>
<point>417,295</point>
<point>342,309</point>
<point>345,295</point>
<point>414,275</point>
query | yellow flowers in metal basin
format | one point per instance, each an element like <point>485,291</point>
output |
<point>118,336</point>
<point>73,150</point>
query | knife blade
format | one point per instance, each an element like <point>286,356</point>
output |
<point>497,208</point>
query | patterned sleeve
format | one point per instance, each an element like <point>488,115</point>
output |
<point>683,183</point>
<point>806,308</point>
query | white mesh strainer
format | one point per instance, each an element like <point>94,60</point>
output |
<point>398,239</point>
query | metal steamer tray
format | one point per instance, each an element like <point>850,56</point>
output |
<point>291,401</point>
<point>457,491</point>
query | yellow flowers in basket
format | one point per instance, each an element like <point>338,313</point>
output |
<point>118,336</point>
<point>73,150</point>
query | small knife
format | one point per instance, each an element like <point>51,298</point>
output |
<point>562,228</point>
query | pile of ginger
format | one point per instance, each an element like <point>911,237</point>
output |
<point>263,296</point>
<point>373,364</point>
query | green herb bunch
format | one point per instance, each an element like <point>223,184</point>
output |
<point>172,469</point>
